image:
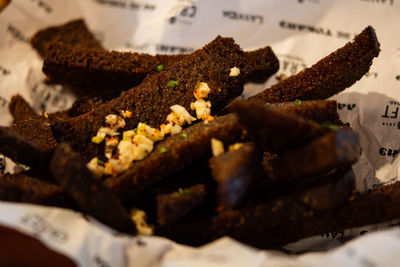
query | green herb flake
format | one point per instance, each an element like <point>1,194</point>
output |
<point>172,83</point>
<point>329,126</point>
<point>297,102</point>
<point>97,139</point>
<point>160,68</point>
<point>163,150</point>
<point>184,136</point>
<point>182,192</point>
<point>100,162</point>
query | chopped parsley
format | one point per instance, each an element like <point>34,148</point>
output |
<point>330,126</point>
<point>163,150</point>
<point>160,68</point>
<point>297,102</point>
<point>97,139</point>
<point>184,135</point>
<point>100,162</point>
<point>182,192</point>
<point>172,83</point>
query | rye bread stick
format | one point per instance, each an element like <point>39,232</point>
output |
<point>150,102</point>
<point>272,130</point>
<point>173,207</point>
<point>264,63</point>
<point>335,149</point>
<point>320,111</point>
<point>360,209</point>
<point>181,151</point>
<point>328,76</point>
<point>234,172</point>
<point>374,206</point>
<point>74,33</point>
<point>29,141</point>
<point>94,71</point>
<point>193,144</point>
<point>97,69</point>
<point>256,222</point>
<point>70,173</point>
<point>20,109</point>
<point>20,187</point>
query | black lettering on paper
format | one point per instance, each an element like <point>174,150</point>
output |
<point>390,112</point>
<point>43,5</point>
<point>3,164</point>
<point>41,227</point>
<point>349,107</point>
<point>3,102</point>
<point>291,64</point>
<point>173,49</point>
<point>124,4</point>
<point>233,15</point>
<point>334,235</point>
<point>4,71</point>
<point>371,74</point>
<point>388,152</point>
<point>16,33</point>
<point>47,95</point>
<point>98,261</point>
<point>183,12</point>
<point>390,2</point>
<point>294,26</point>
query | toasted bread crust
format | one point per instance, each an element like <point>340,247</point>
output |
<point>328,76</point>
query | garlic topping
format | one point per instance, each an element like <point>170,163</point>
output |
<point>201,90</point>
<point>138,143</point>
<point>235,71</point>
<point>217,147</point>
<point>139,218</point>
<point>203,109</point>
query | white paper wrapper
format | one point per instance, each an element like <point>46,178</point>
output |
<point>300,32</point>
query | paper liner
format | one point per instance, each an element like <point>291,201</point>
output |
<point>300,33</point>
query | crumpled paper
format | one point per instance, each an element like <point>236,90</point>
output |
<point>300,33</point>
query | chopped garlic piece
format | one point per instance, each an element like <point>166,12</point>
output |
<point>139,218</point>
<point>175,129</point>
<point>217,147</point>
<point>180,115</point>
<point>110,144</point>
<point>126,151</point>
<point>201,90</point>
<point>166,128</point>
<point>112,141</point>
<point>94,167</point>
<point>128,135</point>
<point>126,113</point>
<point>108,169</point>
<point>203,108</point>
<point>235,71</point>
<point>171,128</point>
<point>143,146</point>
<point>118,166</point>
<point>115,121</point>
<point>235,146</point>
<point>150,132</point>
<point>108,153</point>
<point>103,131</point>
